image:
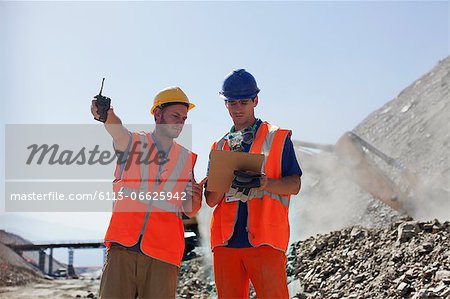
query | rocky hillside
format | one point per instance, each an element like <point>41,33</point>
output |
<point>14,269</point>
<point>414,128</point>
<point>408,259</point>
<point>20,269</point>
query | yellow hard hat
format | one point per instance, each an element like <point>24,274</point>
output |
<point>172,94</point>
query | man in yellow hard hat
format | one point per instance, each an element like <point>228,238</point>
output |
<point>145,237</point>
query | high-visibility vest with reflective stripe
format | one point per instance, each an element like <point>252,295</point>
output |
<point>158,221</point>
<point>267,222</point>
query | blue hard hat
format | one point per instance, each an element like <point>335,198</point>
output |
<point>239,84</point>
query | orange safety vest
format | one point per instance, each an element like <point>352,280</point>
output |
<point>158,221</point>
<point>267,222</point>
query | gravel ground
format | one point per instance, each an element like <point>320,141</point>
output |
<point>408,259</point>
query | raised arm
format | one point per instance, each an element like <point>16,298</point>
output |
<point>114,126</point>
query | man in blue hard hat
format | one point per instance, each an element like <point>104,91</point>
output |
<point>250,226</point>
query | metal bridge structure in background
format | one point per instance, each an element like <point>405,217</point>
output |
<point>71,246</point>
<point>191,241</point>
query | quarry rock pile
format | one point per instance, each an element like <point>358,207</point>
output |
<point>408,259</point>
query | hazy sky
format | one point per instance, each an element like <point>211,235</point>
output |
<point>322,67</point>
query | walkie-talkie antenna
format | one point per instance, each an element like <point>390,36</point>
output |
<point>101,88</point>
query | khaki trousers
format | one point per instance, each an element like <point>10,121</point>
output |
<point>130,274</point>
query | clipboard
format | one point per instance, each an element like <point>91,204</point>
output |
<point>222,165</point>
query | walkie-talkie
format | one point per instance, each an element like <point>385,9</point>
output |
<point>103,104</point>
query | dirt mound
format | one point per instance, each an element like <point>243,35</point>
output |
<point>14,270</point>
<point>31,258</point>
<point>408,259</point>
<point>414,128</point>
<point>10,238</point>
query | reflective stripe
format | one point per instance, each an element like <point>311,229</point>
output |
<point>167,207</point>
<point>283,199</point>
<point>282,150</point>
<point>128,191</point>
<point>144,166</point>
<point>174,178</point>
<point>143,186</point>
<point>171,182</point>
<point>122,158</point>
<point>168,185</point>
<point>268,143</point>
<point>268,140</point>
<point>221,144</point>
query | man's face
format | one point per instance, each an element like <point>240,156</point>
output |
<point>173,118</point>
<point>241,111</point>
